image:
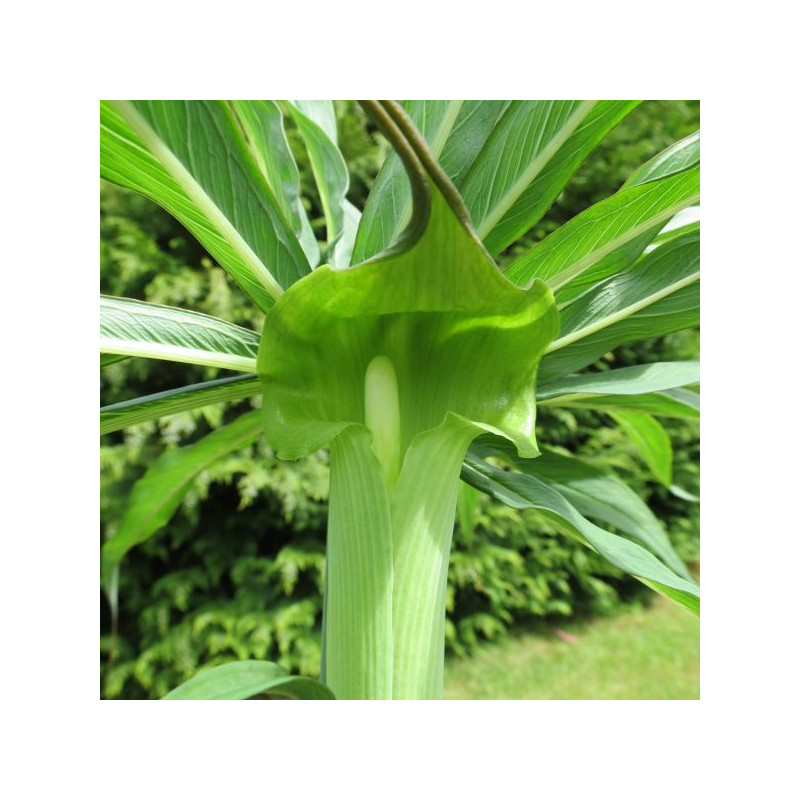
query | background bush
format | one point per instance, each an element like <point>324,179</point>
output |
<point>217,585</point>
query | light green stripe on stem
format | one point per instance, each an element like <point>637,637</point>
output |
<point>423,515</point>
<point>358,593</point>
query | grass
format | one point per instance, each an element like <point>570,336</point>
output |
<point>648,654</point>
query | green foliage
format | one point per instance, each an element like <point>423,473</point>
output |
<point>216,585</point>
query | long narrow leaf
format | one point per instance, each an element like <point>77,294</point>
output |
<point>241,680</point>
<point>317,124</point>
<point>156,496</point>
<point>187,398</point>
<point>597,233</point>
<point>525,491</point>
<point>262,124</point>
<point>530,156</point>
<point>171,151</point>
<point>650,439</point>
<point>133,328</point>
<point>676,403</point>
<point>678,157</point>
<point>641,379</point>
<point>658,295</point>
<point>594,493</point>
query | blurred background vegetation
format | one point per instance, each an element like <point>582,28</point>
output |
<point>218,585</point>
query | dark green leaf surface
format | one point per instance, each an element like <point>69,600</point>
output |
<point>172,151</point>
<point>156,496</point>
<point>531,154</point>
<point>241,680</point>
<point>154,406</point>
<point>526,491</point>
<point>110,358</point>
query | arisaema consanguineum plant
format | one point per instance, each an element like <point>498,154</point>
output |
<point>408,352</point>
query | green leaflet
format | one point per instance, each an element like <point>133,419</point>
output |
<point>650,439</point>
<point>171,151</point>
<point>536,147</point>
<point>608,237</point>
<point>241,680</point>
<point>262,125</point>
<point>133,328</point>
<point>584,241</point>
<point>399,363</point>
<point>154,406</point>
<point>659,294</point>
<point>316,121</point>
<point>156,496</point>
<point>526,491</point>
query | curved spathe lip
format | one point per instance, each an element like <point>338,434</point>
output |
<point>462,338</point>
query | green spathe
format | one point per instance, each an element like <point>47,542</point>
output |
<point>398,364</point>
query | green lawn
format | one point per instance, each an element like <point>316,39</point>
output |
<point>652,654</point>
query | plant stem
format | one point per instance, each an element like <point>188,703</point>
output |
<point>389,536</point>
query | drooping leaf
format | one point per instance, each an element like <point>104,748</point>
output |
<point>316,122</point>
<point>133,328</point>
<point>592,492</point>
<point>529,157</point>
<point>241,680</point>
<point>640,379</point>
<point>526,491</point>
<point>156,496</point>
<point>262,125</point>
<point>171,151</point>
<point>650,439</point>
<point>658,295</point>
<point>187,398</point>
